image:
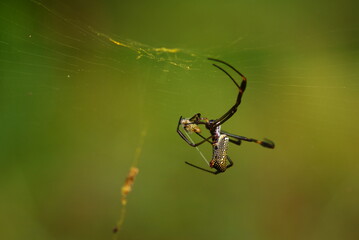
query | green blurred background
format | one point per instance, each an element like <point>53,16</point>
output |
<point>73,104</point>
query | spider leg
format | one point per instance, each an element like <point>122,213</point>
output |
<point>207,139</point>
<point>203,169</point>
<point>186,139</point>
<point>241,88</point>
<point>237,140</point>
<point>216,172</point>
<point>230,162</point>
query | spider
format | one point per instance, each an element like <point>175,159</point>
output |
<point>219,139</point>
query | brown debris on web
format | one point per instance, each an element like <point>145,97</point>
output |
<point>159,54</point>
<point>128,185</point>
<point>125,190</point>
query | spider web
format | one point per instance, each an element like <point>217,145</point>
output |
<point>80,81</point>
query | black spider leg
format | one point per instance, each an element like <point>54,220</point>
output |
<point>237,140</point>
<point>206,170</point>
<point>203,169</point>
<point>188,141</point>
<point>230,162</point>
<point>241,88</point>
<point>207,139</point>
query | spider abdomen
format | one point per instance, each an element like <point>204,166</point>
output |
<point>219,158</point>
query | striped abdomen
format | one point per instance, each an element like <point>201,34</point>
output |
<point>219,158</point>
